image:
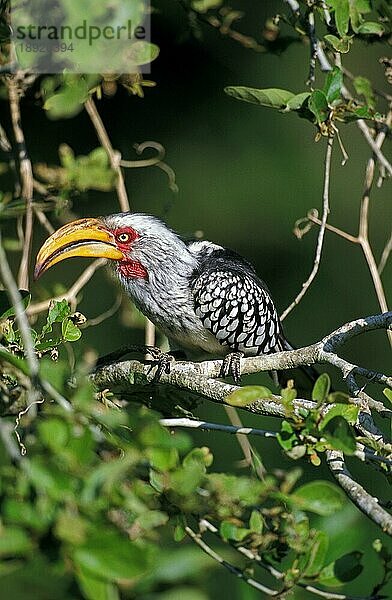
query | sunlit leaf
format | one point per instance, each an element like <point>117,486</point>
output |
<point>347,411</point>
<point>320,497</point>
<point>248,394</point>
<point>111,556</point>
<point>321,388</point>
<point>340,45</point>
<point>370,28</point>
<point>69,331</point>
<point>272,97</point>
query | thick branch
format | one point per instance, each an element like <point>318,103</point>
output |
<point>361,498</point>
<point>200,377</point>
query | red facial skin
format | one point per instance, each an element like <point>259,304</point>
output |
<point>130,269</point>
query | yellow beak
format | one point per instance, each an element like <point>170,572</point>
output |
<point>85,237</point>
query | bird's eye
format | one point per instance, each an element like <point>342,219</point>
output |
<point>123,237</point>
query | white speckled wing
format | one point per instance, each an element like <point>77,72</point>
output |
<point>237,310</point>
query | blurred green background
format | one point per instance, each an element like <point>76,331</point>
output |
<point>245,174</point>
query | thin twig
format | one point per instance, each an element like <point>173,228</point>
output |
<point>252,555</point>
<point>105,315</point>
<point>385,255</point>
<point>320,238</point>
<point>362,454</point>
<point>375,145</point>
<point>71,294</point>
<point>243,441</point>
<point>347,236</point>
<point>43,219</point>
<point>363,233</point>
<point>26,177</point>
<point>206,426</point>
<point>114,156</point>
<point>233,570</point>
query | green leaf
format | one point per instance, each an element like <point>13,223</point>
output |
<point>370,28</point>
<point>388,394</point>
<point>179,530</point>
<point>363,87</point>
<point>316,555</point>
<point>344,569</point>
<point>143,53</point>
<point>14,542</point>
<point>68,100</point>
<point>6,309</point>
<point>320,497</point>
<point>108,555</point>
<point>342,15</point>
<point>340,45</point>
<point>347,411</point>
<point>54,433</point>
<point>338,398</point>
<point>248,394</point>
<point>272,97</point>
<point>230,531</point>
<point>318,105</point>
<point>321,388</point>
<point>363,6</point>
<point>94,588</point>
<point>57,313</point>
<point>287,437</point>
<point>151,519</point>
<point>15,361</point>
<point>202,6</point>
<point>297,101</point>
<point>256,522</point>
<point>333,84</point>
<point>69,331</point>
<point>340,434</point>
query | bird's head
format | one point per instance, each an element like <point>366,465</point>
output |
<point>136,243</point>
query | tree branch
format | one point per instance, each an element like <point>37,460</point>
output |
<point>26,178</point>
<point>200,377</point>
<point>361,498</point>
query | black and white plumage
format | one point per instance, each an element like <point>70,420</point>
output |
<point>234,304</point>
<point>205,298</point>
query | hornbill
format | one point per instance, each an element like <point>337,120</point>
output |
<point>203,297</point>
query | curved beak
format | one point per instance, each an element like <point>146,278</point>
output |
<point>85,237</point>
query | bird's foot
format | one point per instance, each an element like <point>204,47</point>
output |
<point>232,366</point>
<point>155,353</point>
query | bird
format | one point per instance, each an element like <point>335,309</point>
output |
<point>205,298</point>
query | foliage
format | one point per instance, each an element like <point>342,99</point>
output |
<point>105,500</point>
<point>109,487</point>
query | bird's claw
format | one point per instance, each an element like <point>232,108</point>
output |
<point>164,362</point>
<point>232,366</point>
